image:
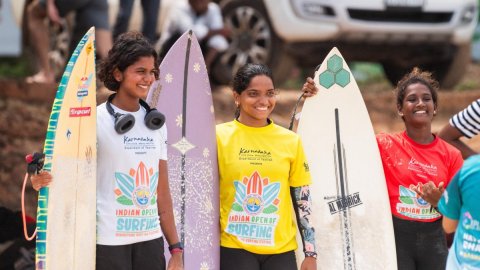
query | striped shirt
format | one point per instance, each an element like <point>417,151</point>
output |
<point>467,121</point>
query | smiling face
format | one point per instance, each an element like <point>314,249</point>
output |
<point>417,107</point>
<point>136,79</point>
<point>256,102</point>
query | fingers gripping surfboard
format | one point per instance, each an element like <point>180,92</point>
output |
<point>351,215</point>
<point>66,215</point>
<point>183,94</point>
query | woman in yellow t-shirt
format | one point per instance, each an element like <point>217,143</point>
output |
<point>263,172</point>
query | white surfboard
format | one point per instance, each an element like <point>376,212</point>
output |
<point>351,214</point>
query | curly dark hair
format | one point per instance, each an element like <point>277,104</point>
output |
<point>126,50</point>
<point>417,76</point>
<point>244,76</point>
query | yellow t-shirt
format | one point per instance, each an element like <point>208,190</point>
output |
<point>257,167</point>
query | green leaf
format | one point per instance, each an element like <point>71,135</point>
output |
<point>270,209</point>
<point>124,200</point>
<point>406,200</point>
<point>237,207</point>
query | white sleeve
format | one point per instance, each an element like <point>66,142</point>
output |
<point>215,14</point>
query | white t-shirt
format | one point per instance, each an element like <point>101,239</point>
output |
<point>127,178</point>
<point>183,18</point>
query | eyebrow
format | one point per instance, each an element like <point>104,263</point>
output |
<point>253,89</point>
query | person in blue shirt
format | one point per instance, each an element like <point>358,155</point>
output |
<point>460,207</point>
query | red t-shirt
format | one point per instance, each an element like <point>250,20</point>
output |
<point>406,163</point>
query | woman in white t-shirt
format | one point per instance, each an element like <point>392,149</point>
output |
<point>134,206</point>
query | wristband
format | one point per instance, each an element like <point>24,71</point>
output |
<point>176,250</point>
<point>177,245</point>
<point>311,254</point>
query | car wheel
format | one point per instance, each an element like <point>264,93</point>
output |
<point>394,72</point>
<point>252,39</point>
<point>448,71</point>
<point>451,72</point>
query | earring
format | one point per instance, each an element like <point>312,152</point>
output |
<point>400,113</point>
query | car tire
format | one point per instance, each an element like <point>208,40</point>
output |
<point>252,40</point>
<point>452,71</point>
<point>448,71</point>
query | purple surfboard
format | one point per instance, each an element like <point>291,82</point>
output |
<point>183,94</point>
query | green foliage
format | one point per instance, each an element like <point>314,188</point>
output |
<point>468,84</point>
<point>14,67</point>
<point>365,72</point>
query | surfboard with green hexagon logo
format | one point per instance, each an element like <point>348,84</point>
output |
<point>351,210</point>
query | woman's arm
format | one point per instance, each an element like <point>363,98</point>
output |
<point>452,135</point>
<point>165,211</point>
<point>303,211</point>
<point>303,205</point>
<point>449,225</point>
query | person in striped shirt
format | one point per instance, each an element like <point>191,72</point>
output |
<point>465,123</point>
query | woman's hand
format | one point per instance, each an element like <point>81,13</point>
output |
<point>175,262</point>
<point>309,88</point>
<point>309,263</point>
<point>40,180</point>
<point>429,192</point>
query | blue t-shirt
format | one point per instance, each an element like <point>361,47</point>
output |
<point>461,201</point>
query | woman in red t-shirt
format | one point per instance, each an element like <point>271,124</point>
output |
<point>418,166</point>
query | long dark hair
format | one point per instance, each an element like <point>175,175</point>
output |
<point>127,49</point>
<point>245,74</point>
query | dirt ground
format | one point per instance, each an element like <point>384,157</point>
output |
<point>25,110</point>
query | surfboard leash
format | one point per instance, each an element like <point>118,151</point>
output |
<point>292,192</point>
<point>34,165</point>
<point>292,119</point>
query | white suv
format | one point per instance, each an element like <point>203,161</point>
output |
<point>399,34</point>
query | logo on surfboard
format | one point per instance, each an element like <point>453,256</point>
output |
<point>253,217</point>
<point>83,86</point>
<point>138,187</point>
<point>344,203</point>
<point>335,73</point>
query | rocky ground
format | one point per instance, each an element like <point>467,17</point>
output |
<point>25,110</point>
